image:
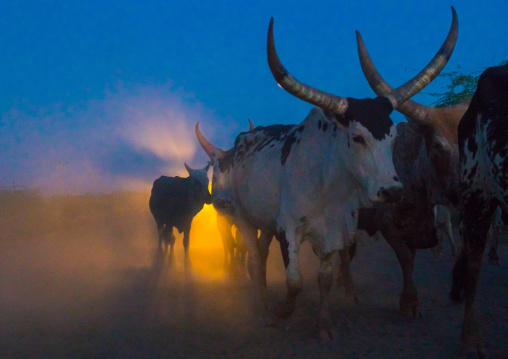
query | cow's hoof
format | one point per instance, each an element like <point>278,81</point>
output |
<point>352,296</point>
<point>328,335</point>
<point>472,342</point>
<point>350,291</point>
<point>410,309</point>
<point>437,251</point>
<point>283,310</point>
<point>269,320</point>
<point>495,262</point>
<point>470,350</point>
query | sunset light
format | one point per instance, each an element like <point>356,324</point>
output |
<point>104,111</point>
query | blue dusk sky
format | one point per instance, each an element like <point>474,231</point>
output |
<point>104,95</point>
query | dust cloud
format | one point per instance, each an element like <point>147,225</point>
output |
<point>79,279</point>
<point>86,265</point>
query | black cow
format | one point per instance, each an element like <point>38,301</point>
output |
<point>483,149</point>
<point>174,202</point>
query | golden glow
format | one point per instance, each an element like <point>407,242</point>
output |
<point>206,250</point>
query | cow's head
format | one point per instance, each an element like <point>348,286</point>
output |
<point>221,162</point>
<point>366,123</point>
<point>365,147</point>
<point>202,177</point>
<point>438,126</point>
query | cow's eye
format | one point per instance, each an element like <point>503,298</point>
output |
<point>359,139</point>
<point>438,147</point>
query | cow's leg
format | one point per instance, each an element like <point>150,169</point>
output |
<point>228,243</point>
<point>325,279</point>
<point>476,218</point>
<point>249,235</point>
<point>440,214</point>
<point>160,232</point>
<point>169,241</point>
<point>263,242</point>
<point>494,234</point>
<point>493,256</point>
<point>159,254</point>
<point>241,250</point>
<point>290,248</point>
<point>186,240</point>
<point>408,299</point>
<point>454,244</point>
<point>344,273</point>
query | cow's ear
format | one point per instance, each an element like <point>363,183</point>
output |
<point>188,168</point>
<point>421,129</point>
<point>217,155</point>
<point>341,126</point>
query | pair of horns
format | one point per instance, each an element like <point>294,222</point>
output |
<point>413,110</point>
<point>397,97</point>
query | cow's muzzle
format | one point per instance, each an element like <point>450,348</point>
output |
<point>223,206</point>
<point>390,194</point>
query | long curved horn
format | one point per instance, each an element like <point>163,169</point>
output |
<point>409,108</point>
<point>304,92</point>
<point>251,125</point>
<point>207,146</point>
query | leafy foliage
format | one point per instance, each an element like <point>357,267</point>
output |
<point>461,87</point>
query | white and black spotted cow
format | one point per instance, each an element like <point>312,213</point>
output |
<point>306,181</point>
<point>483,146</point>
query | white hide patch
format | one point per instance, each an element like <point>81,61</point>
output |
<point>475,171</point>
<point>373,165</point>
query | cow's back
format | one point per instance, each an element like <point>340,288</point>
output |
<point>281,164</point>
<point>175,201</point>
<point>258,169</point>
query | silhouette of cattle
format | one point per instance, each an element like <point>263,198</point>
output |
<point>174,202</point>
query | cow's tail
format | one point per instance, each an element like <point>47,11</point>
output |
<point>459,278</point>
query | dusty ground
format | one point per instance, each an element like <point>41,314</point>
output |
<point>89,288</point>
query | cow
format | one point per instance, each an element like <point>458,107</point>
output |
<point>234,248</point>
<point>425,157</point>
<point>307,181</point>
<point>174,201</point>
<point>483,171</point>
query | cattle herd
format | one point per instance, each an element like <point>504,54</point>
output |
<point>347,167</point>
